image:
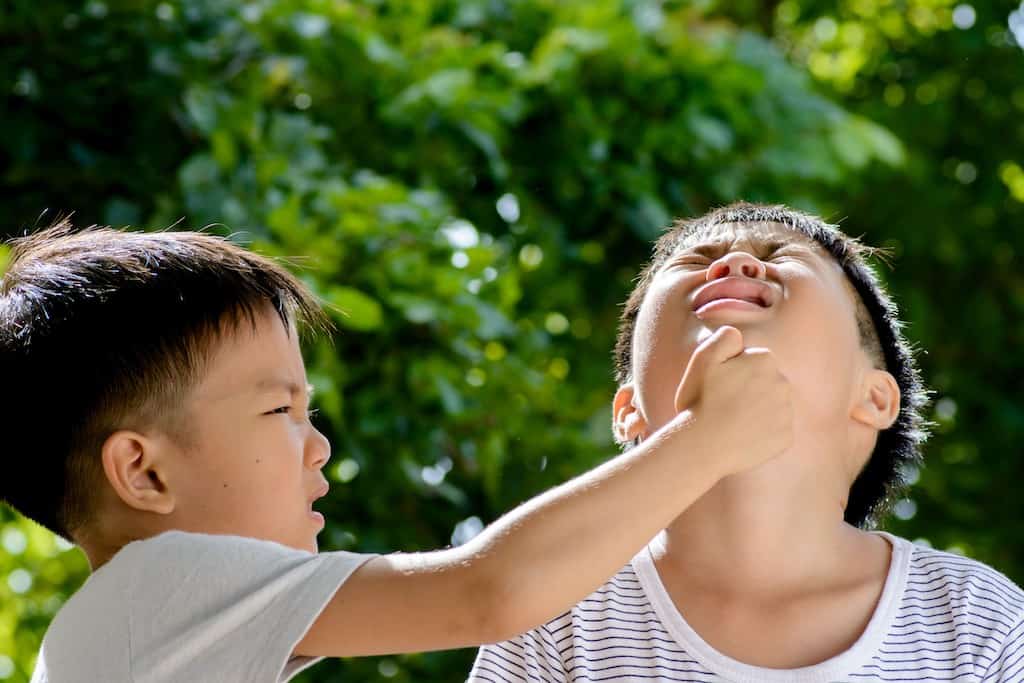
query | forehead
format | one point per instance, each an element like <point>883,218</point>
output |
<point>754,233</point>
<point>253,356</point>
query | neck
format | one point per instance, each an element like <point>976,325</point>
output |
<point>769,531</point>
<point>109,531</point>
<point>97,552</point>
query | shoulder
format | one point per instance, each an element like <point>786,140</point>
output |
<point>938,570</point>
<point>220,571</point>
<point>216,558</point>
<point>80,641</point>
<point>983,600</point>
<point>985,608</point>
<point>99,613</point>
<point>174,545</point>
<point>164,596</point>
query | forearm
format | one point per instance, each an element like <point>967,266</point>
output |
<point>527,567</point>
<point>546,555</point>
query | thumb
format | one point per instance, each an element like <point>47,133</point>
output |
<point>725,343</point>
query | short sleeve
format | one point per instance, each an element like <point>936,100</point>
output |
<point>224,608</point>
<point>531,657</point>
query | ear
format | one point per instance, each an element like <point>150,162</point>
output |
<point>627,421</point>
<point>132,464</point>
<point>877,403</point>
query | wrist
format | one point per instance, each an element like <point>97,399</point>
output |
<point>700,439</point>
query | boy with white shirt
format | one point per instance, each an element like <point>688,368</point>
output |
<point>155,413</point>
<point>771,576</point>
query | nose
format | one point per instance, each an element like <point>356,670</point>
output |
<point>737,263</point>
<point>318,449</point>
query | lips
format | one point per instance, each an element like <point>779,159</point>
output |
<point>755,292</point>
<point>320,492</point>
<point>313,514</point>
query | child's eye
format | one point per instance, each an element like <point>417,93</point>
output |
<point>284,410</point>
<point>783,256</point>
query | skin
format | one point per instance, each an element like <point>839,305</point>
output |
<point>730,561</point>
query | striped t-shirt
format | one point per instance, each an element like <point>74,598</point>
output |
<point>941,617</point>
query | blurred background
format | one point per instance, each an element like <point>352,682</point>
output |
<point>477,182</point>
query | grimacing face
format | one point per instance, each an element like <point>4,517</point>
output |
<point>784,293</point>
<point>253,467</point>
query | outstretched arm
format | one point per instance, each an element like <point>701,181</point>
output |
<point>549,553</point>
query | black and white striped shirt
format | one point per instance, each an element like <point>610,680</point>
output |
<point>941,617</point>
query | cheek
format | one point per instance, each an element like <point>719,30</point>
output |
<point>820,355</point>
<point>252,455</point>
<point>663,341</point>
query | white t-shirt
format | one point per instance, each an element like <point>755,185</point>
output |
<point>192,607</point>
<point>941,617</point>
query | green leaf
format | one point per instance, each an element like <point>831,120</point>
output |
<point>416,309</point>
<point>713,132</point>
<point>883,144</point>
<point>201,105</point>
<point>5,254</point>
<point>850,147</point>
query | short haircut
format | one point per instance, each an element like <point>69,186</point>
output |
<point>881,480</point>
<point>101,330</point>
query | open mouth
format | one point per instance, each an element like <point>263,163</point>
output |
<point>728,299</point>
<point>313,514</point>
<point>734,292</point>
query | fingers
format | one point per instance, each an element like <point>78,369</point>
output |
<point>726,343</point>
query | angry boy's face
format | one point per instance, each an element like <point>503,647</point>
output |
<point>782,291</point>
<point>253,463</point>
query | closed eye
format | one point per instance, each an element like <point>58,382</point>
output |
<point>284,410</point>
<point>787,252</point>
<point>692,260</point>
<point>773,252</point>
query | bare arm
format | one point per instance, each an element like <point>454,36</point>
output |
<point>535,561</point>
<point>542,557</point>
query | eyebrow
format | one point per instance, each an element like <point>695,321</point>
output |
<point>714,249</point>
<point>268,384</point>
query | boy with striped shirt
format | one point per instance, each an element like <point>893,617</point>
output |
<point>773,576</point>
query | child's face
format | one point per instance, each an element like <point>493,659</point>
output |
<point>781,290</point>
<point>253,465</point>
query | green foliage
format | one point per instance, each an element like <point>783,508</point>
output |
<point>471,187</point>
<point>40,572</point>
